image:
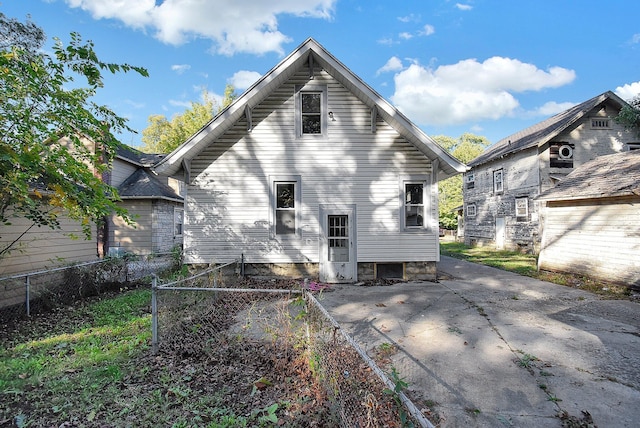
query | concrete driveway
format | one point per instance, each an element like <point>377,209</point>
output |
<point>488,348</point>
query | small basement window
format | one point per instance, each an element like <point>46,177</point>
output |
<point>633,146</point>
<point>389,271</point>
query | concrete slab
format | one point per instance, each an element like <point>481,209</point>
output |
<point>484,347</point>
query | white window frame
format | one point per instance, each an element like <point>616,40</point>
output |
<point>313,89</point>
<point>519,212</point>
<point>498,184</point>
<point>297,182</point>
<point>178,219</point>
<point>471,210</point>
<point>425,182</point>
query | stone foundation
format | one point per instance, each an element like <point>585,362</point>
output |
<point>411,271</point>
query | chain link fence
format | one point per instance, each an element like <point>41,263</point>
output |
<point>31,293</point>
<point>215,317</point>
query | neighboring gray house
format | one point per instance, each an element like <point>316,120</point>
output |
<point>311,172</point>
<point>156,205</point>
<point>592,220</point>
<point>502,184</point>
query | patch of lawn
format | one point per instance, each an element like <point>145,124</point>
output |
<point>527,265</point>
<point>64,364</point>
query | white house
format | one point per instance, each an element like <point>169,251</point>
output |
<point>311,172</point>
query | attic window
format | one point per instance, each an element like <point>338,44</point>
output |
<point>311,113</point>
<point>600,123</point>
<point>561,155</point>
<point>311,110</point>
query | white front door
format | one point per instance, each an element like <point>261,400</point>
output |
<point>337,244</point>
<point>500,233</point>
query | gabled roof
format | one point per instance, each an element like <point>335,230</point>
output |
<point>542,132</point>
<point>143,184</point>
<point>260,90</point>
<point>605,176</point>
<point>135,156</point>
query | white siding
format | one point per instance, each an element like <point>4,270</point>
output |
<point>228,202</point>
<point>598,239</point>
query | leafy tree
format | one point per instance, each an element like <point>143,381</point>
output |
<point>630,114</point>
<point>43,175</point>
<point>465,148</point>
<point>163,136</point>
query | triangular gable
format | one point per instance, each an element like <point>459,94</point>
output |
<point>545,131</point>
<point>309,51</point>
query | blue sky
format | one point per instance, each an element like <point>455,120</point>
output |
<point>483,66</point>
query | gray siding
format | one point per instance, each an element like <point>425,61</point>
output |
<point>228,200</point>
<point>528,173</point>
<point>597,238</point>
<point>520,179</point>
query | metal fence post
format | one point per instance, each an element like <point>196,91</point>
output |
<point>27,284</point>
<point>154,315</point>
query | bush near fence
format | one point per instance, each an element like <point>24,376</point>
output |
<point>267,334</point>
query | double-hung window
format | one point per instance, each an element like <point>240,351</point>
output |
<point>414,203</point>
<point>285,205</point>
<point>498,181</point>
<point>311,110</point>
<point>522,209</point>
<point>178,222</point>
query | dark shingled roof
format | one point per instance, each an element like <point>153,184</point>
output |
<point>143,184</point>
<point>604,176</point>
<point>135,156</point>
<point>544,131</point>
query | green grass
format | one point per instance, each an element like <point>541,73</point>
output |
<point>527,265</point>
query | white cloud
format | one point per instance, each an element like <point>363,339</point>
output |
<point>242,79</point>
<point>134,104</point>
<point>250,26</point>
<point>461,6</point>
<point>405,36</point>
<point>470,90</point>
<point>550,108</point>
<point>427,30</point>
<point>635,39</point>
<point>394,64</point>
<point>628,91</point>
<point>180,103</point>
<point>409,18</point>
<point>180,68</point>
